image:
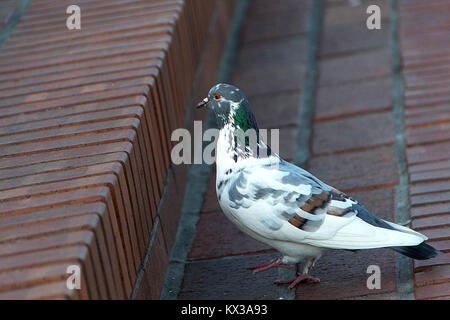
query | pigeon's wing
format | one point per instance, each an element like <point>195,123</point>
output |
<point>287,203</point>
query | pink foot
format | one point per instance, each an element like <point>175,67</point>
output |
<point>277,262</point>
<point>297,280</point>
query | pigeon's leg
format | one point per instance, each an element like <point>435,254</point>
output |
<point>277,262</point>
<point>301,276</point>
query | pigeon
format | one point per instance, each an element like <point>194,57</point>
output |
<point>285,206</point>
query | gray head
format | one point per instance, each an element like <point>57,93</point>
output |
<point>230,106</point>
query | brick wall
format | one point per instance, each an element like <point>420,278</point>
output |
<point>427,112</point>
<point>85,120</point>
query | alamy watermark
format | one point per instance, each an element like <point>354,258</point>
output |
<point>73,22</point>
<point>189,150</point>
<point>74,280</point>
<point>374,20</point>
<point>374,280</point>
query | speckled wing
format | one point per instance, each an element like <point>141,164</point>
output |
<point>287,203</point>
<point>283,193</point>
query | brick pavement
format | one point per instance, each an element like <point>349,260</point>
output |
<point>86,118</point>
<point>353,144</point>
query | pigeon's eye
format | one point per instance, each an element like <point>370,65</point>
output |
<point>217,96</point>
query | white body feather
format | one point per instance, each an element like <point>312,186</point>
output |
<point>262,218</point>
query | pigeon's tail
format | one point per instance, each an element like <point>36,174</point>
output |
<point>421,251</point>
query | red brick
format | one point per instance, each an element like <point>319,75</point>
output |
<point>443,245</point>
<point>52,89</point>
<point>216,237</point>
<point>429,166</point>
<point>352,133</point>
<point>416,56</point>
<point>63,62</point>
<point>359,169</point>
<point>92,17</point>
<point>73,163</point>
<point>86,119</point>
<point>31,196</point>
<point>23,120</point>
<point>353,98</point>
<point>70,92</point>
<point>439,81</point>
<point>71,131</point>
<point>111,65</point>
<point>229,279</point>
<point>119,39</point>
<point>430,198</point>
<point>434,152</point>
<point>427,101</point>
<point>269,7</point>
<point>440,233</point>
<point>430,175</point>
<point>431,222</point>
<point>438,111</point>
<point>33,219</point>
<point>420,76</point>
<point>55,290</point>
<point>62,155</point>
<point>388,296</point>
<point>428,91</point>
<point>40,235</point>
<point>274,78</point>
<point>440,260</point>
<point>153,273</point>
<point>440,298</point>
<point>276,110</point>
<point>429,137</point>
<point>344,12</point>
<point>429,187</point>
<point>427,129</point>
<point>24,237</point>
<point>171,204</point>
<point>73,254</point>
<point>288,19</point>
<point>77,69</point>
<point>80,141</point>
<point>19,279</point>
<point>88,35</point>
<point>368,65</point>
<point>433,291</point>
<point>437,208</point>
<point>426,63</point>
<point>430,60</point>
<point>352,37</point>
<point>261,53</point>
<point>344,275</point>
<point>102,96</point>
<point>432,276</point>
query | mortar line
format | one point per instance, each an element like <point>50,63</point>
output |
<point>198,175</point>
<point>305,118</point>
<point>405,274</point>
<point>308,92</point>
<point>13,21</point>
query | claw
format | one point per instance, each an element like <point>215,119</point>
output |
<point>277,262</point>
<point>295,281</point>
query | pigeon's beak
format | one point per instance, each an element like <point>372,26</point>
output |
<point>203,103</point>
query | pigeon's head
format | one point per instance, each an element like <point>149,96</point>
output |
<point>230,106</point>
